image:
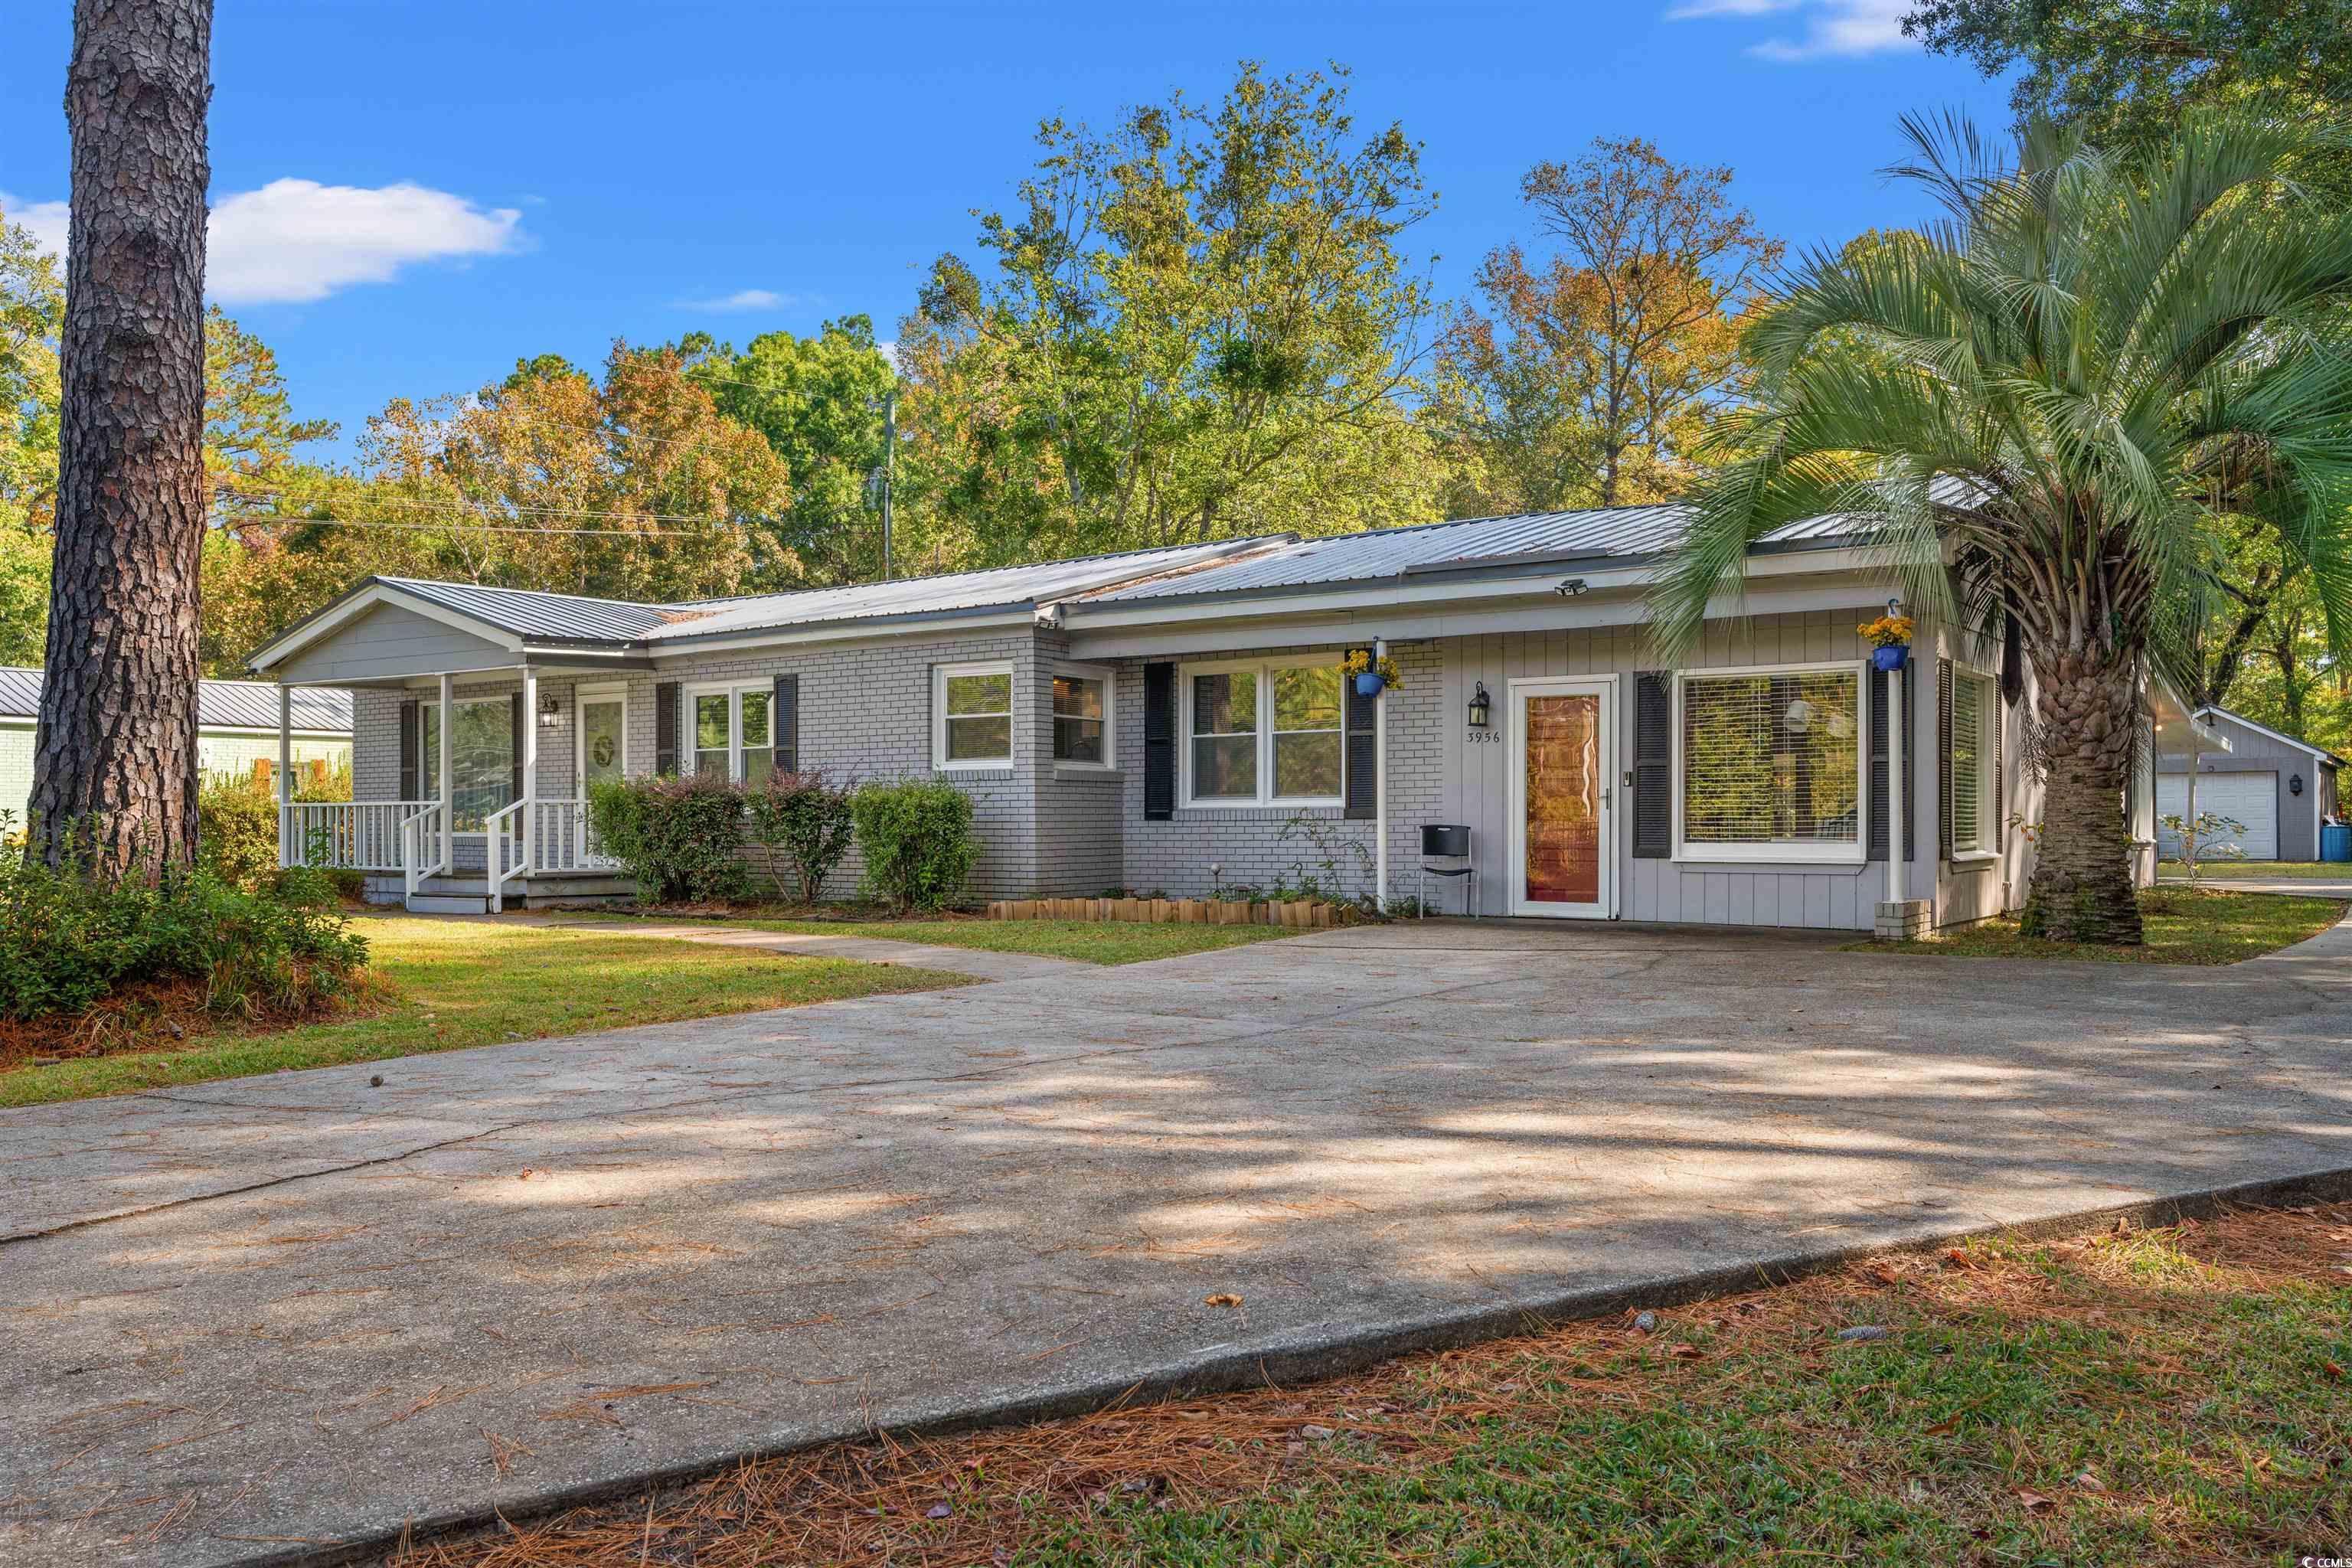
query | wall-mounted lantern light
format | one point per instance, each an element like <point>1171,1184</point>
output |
<point>1569,587</point>
<point>1481,710</point>
<point>2294,784</point>
<point>550,711</point>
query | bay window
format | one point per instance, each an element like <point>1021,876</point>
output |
<point>733,737</point>
<point>1771,764</point>
<point>972,704</point>
<point>1263,733</point>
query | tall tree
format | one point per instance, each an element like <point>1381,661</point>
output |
<point>1197,325</point>
<point>2123,69</point>
<point>114,768</point>
<point>1592,380</point>
<point>2069,388</point>
<point>819,402</point>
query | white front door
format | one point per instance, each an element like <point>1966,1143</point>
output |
<point>1563,837</point>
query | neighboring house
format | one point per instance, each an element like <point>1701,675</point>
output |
<point>2276,788</point>
<point>1176,720</point>
<point>237,723</point>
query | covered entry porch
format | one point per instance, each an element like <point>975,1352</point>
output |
<point>490,808</point>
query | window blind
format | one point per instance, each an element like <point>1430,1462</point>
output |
<point>1772,759</point>
<point>1966,801</point>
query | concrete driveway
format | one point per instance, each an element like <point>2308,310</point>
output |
<point>254,1319</point>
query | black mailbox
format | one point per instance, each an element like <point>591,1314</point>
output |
<point>1445,838</point>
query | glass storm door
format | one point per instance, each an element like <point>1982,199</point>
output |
<point>602,739</point>
<point>1563,853</point>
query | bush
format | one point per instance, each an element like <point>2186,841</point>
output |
<point>917,839</point>
<point>67,941</point>
<point>679,837</point>
<point>806,818</point>
<point>237,819</point>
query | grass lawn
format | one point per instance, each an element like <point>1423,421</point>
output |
<point>2162,1397</point>
<point>456,984</point>
<point>2183,927</point>
<point>2264,870</point>
<point>1089,942</point>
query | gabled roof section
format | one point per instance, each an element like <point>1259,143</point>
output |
<point>529,613</point>
<point>2322,753</point>
<point>220,704</point>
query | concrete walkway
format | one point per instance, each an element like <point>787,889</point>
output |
<point>264,1319</point>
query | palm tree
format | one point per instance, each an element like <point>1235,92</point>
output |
<point>2049,404</point>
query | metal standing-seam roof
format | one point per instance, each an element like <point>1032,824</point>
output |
<point>529,613</point>
<point>220,704</point>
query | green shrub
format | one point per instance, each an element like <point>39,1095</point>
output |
<point>806,818</point>
<point>237,830</point>
<point>67,941</point>
<point>917,840</point>
<point>679,837</point>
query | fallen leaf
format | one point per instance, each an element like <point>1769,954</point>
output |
<point>1685,1351</point>
<point>2035,1501</point>
<point>2090,1483</point>
<point>1222,1298</point>
<point>1948,1424</point>
<point>2331,1369</point>
<point>938,1510</point>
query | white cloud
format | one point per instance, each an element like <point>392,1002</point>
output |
<point>742,300</point>
<point>294,241</point>
<point>46,220</point>
<point>1843,29</point>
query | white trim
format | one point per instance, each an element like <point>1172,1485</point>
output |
<point>295,640</point>
<point>943,673</point>
<point>1825,852</point>
<point>1989,720</point>
<point>2210,711</point>
<point>1264,669</point>
<point>1108,679</point>
<point>690,735</point>
<point>580,697</point>
<point>1515,694</point>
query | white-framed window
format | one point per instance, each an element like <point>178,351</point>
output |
<point>1771,763</point>
<point>733,731</point>
<point>1975,794</point>
<point>1082,716</point>
<point>971,715</point>
<point>482,758</point>
<point>1264,731</point>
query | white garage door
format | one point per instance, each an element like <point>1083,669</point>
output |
<point>2248,799</point>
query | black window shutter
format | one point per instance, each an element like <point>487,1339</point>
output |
<point>411,786</point>
<point>520,716</point>
<point>1159,743</point>
<point>1653,765</point>
<point>2012,660</point>
<point>784,723</point>
<point>1363,754</point>
<point>1944,759</point>
<point>666,727</point>
<point>1882,807</point>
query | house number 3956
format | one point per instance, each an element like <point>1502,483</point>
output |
<point>1483,737</point>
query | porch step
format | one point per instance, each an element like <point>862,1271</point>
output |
<point>448,904</point>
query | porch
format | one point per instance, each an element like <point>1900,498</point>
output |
<point>489,814</point>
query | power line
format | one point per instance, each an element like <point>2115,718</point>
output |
<point>478,526</point>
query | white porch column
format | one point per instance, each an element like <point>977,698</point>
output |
<point>523,840</point>
<point>2188,844</point>
<point>289,854</point>
<point>441,785</point>
<point>1380,783</point>
<point>1895,866</point>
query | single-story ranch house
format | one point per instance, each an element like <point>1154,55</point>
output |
<point>2275,788</point>
<point>237,726</point>
<point>1179,719</point>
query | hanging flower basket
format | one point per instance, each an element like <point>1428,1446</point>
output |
<point>1371,676</point>
<point>1890,639</point>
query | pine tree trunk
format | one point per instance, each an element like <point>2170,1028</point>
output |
<point>114,770</point>
<point>2081,888</point>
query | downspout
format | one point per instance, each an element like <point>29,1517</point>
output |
<point>1381,784</point>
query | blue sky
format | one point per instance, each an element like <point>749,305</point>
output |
<point>410,195</point>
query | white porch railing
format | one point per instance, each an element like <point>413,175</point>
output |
<point>507,853</point>
<point>563,839</point>
<point>343,834</point>
<point>423,845</point>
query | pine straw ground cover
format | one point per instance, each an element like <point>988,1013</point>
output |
<point>2162,1397</point>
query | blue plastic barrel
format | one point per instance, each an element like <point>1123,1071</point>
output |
<point>2335,841</point>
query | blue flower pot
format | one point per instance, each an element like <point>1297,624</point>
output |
<point>1368,684</point>
<point>1890,658</point>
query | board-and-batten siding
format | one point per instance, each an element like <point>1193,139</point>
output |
<point>390,641</point>
<point>1473,782</point>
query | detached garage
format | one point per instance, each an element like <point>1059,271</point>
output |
<point>2277,788</point>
